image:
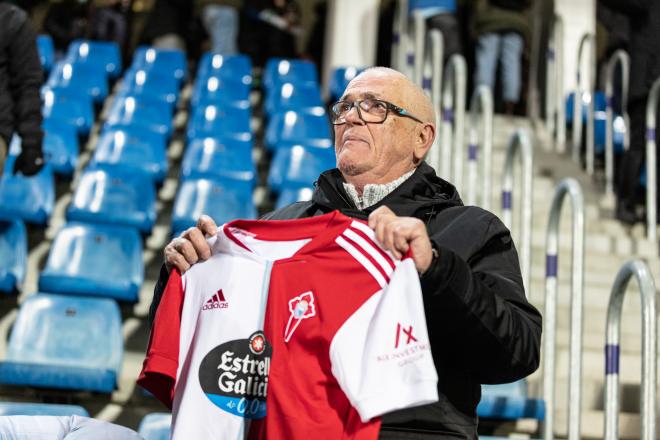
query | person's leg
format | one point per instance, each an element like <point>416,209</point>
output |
<point>628,188</point>
<point>486,57</point>
<point>510,63</point>
<point>221,23</point>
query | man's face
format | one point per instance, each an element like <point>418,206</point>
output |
<point>377,151</point>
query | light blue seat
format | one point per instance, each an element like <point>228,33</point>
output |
<point>60,146</point>
<point>293,195</point>
<point>89,79</point>
<point>310,128</point>
<point>97,53</point>
<point>290,96</point>
<point>132,149</point>
<point>46,51</point>
<point>95,260</point>
<point>150,84</point>
<point>65,342</point>
<point>228,121</point>
<point>29,198</point>
<point>221,200</point>
<point>155,426</point>
<point>165,61</point>
<point>114,196</point>
<point>40,409</point>
<point>237,67</point>
<point>220,91</point>
<point>221,158</point>
<point>13,254</point>
<point>298,167</point>
<point>280,70</point>
<point>509,402</point>
<point>67,107</point>
<point>145,113</point>
<point>599,105</point>
<point>341,76</point>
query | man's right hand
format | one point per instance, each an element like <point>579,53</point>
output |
<point>191,246</point>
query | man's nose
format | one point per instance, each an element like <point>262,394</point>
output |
<point>353,117</point>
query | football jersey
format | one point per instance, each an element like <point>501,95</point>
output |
<point>292,329</point>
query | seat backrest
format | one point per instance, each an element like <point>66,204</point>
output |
<point>155,426</point>
<point>40,409</point>
<point>298,167</point>
<point>340,79</point>
<point>46,51</point>
<point>167,61</point>
<point>237,67</point>
<point>13,253</point>
<point>223,158</point>
<point>308,127</point>
<point>290,96</point>
<point>104,53</point>
<point>280,70</point>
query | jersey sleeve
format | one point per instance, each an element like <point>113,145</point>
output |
<point>381,355</point>
<point>159,369</point>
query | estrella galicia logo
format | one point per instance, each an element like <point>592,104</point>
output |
<point>234,376</point>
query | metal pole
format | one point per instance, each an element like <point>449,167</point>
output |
<point>419,30</point>
<point>572,188</point>
<point>453,117</point>
<point>554,100</point>
<point>642,274</point>
<point>651,172</point>
<point>434,81</point>
<point>520,144</point>
<point>620,57</point>
<point>396,38</point>
<point>481,121</point>
<point>406,52</point>
<point>590,40</point>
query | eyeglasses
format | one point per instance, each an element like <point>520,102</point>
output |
<point>371,111</point>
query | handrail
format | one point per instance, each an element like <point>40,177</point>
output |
<point>419,39</point>
<point>432,84</point>
<point>642,274</point>
<point>572,188</point>
<point>651,171</point>
<point>619,57</point>
<point>554,95</point>
<point>481,122</point>
<point>590,40</point>
<point>453,118</point>
<point>399,35</point>
<point>520,144</point>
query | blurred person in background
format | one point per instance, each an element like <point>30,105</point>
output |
<point>21,77</point>
<point>220,19</point>
<point>167,24</point>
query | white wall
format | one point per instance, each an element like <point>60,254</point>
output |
<point>579,17</point>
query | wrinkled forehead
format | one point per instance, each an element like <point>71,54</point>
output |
<point>375,87</point>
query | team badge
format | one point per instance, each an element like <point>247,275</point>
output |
<point>301,307</point>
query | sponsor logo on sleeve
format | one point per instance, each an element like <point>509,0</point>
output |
<point>407,349</point>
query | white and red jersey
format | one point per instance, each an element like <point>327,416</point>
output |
<point>304,328</point>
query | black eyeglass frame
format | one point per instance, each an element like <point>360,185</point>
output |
<point>399,111</point>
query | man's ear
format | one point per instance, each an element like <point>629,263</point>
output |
<point>423,141</point>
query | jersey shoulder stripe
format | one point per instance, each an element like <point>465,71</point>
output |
<point>369,245</point>
<point>361,258</point>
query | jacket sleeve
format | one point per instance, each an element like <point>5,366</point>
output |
<point>629,7</point>
<point>477,311</point>
<point>25,79</point>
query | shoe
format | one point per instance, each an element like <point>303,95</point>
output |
<point>625,213</point>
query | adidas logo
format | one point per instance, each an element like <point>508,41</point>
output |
<point>217,301</point>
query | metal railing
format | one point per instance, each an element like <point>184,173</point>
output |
<point>620,58</point>
<point>481,123</point>
<point>642,274</point>
<point>555,112</point>
<point>590,41</point>
<point>453,118</point>
<point>520,144</point>
<point>432,84</point>
<point>419,41</point>
<point>651,171</point>
<point>572,188</point>
<point>403,55</point>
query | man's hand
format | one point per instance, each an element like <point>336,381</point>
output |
<point>400,234</point>
<point>191,247</point>
<point>29,162</point>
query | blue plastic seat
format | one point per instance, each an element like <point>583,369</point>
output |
<point>280,70</point>
<point>67,107</point>
<point>60,146</point>
<point>40,409</point>
<point>220,91</point>
<point>97,53</point>
<point>65,342</point>
<point>165,61</point>
<point>221,200</point>
<point>155,426</point>
<point>227,121</point>
<point>224,159</point>
<point>13,254</point>
<point>298,167</point>
<point>132,149</point>
<point>29,198</point>
<point>310,128</point>
<point>289,96</point>
<point>237,67</point>
<point>599,105</point>
<point>509,402</point>
<point>89,79</point>
<point>95,260</point>
<point>115,196</point>
<point>134,111</point>
<point>438,6</point>
<point>293,195</point>
<point>341,76</point>
<point>46,51</point>
<point>150,84</point>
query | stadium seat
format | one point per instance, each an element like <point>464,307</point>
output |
<point>221,200</point>
<point>228,121</point>
<point>40,409</point>
<point>219,91</point>
<point>438,6</point>
<point>166,61</point>
<point>310,128</point>
<point>237,67</point>
<point>341,76</point>
<point>13,254</point>
<point>60,146</point>
<point>279,70</point>
<point>134,111</point>
<point>95,260</point>
<point>292,195</point>
<point>29,198</point>
<point>155,426</point>
<point>150,84</point>
<point>46,51</point>
<point>599,105</point>
<point>289,96</point>
<point>509,402</point>
<point>65,107</point>
<point>65,342</point>
<point>89,79</point>
<point>114,196</point>
<point>133,149</point>
<point>97,53</point>
<point>297,167</point>
<point>213,157</point>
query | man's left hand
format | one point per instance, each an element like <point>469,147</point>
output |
<point>400,234</point>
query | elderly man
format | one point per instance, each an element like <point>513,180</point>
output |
<point>481,327</point>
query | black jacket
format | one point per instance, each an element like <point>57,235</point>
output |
<point>481,327</point>
<point>20,78</point>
